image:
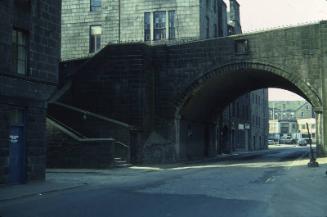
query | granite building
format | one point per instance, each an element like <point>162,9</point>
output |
<point>89,25</point>
<point>290,110</point>
<point>290,117</point>
<point>244,123</point>
<point>30,50</point>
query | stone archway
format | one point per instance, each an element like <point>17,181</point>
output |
<point>189,102</point>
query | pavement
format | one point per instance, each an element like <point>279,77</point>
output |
<point>275,183</point>
<point>56,180</point>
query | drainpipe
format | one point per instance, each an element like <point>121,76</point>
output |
<point>119,17</point>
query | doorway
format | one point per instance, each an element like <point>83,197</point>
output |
<point>16,155</point>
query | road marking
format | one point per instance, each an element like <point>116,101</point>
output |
<point>270,179</point>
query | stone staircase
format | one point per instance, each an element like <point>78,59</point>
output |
<point>120,162</point>
<point>86,136</point>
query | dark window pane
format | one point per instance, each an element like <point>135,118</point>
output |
<point>16,117</point>
<point>207,28</point>
<point>172,15</point>
<point>98,42</point>
<point>19,52</point>
<point>147,27</point>
<point>95,5</point>
<point>159,20</point>
<point>21,67</point>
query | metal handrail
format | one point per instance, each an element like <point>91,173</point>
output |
<point>84,112</point>
<point>49,117</point>
<point>77,137</point>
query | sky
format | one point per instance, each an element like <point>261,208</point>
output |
<point>266,14</point>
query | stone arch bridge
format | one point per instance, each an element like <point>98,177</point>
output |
<point>164,90</point>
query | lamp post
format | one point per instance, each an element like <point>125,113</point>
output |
<point>312,162</point>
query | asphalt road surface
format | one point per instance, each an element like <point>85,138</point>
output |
<point>274,183</point>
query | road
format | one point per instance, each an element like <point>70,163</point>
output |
<point>272,184</point>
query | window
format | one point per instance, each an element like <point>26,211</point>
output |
<point>241,46</point>
<point>216,30</point>
<point>19,51</point>
<point>172,15</point>
<point>207,4</point>
<point>95,38</point>
<point>159,20</point>
<point>16,117</point>
<point>215,6</point>
<point>207,28</point>
<point>95,5</point>
<point>147,27</point>
<point>22,6</point>
<point>220,19</point>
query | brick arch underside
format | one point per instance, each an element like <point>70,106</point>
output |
<point>210,93</point>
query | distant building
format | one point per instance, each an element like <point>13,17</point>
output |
<point>30,51</point>
<point>283,110</point>
<point>288,127</point>
<point>302,123</point>
<point>260,119</point>
<point>274,129</point>
<point>245,123</point>
<point>291,117</point>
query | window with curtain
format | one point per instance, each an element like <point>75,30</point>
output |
<point>95,38</point>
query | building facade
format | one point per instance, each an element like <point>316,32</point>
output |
<point>245,123</point>
<point>259,119</point>
<point>89,25</point>
<point>30,51</point>
<point>292,117</point>
<point>290,110</point>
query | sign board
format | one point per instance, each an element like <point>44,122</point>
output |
<point>13,138</point>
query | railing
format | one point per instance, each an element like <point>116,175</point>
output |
<point>64,128</point>
<point>85,126</point>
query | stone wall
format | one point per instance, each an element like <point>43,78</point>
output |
<point>67,152</point>
<point>40,20</point>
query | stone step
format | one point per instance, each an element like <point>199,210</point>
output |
<point>119,162</point>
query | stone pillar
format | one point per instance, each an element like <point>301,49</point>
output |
<point>212,139</point>
<point>320,135</point>
<point>177,137</point>
<point>322,112</point>
<point>321,148</point>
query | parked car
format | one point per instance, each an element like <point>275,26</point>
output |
<point>303,142</point>
<point>271,142</point>
<point>287,140</point>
